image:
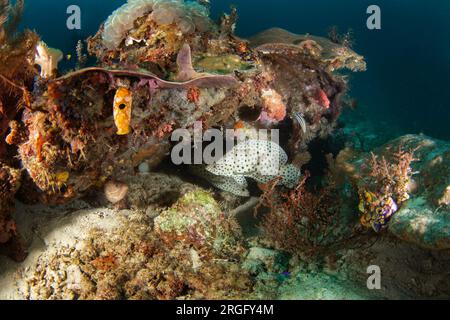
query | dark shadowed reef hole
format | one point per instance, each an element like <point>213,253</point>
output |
<point>249,114</point>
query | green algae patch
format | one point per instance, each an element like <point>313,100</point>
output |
<point>197,219</point>
<point>419,223</point>
<point>224,64</point>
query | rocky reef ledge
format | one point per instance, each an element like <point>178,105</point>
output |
<point>425,218</point>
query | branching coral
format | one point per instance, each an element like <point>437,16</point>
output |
<point>16,66</point>
<point>384,188</point>
<point>392,178</point>
<point>305,223</point>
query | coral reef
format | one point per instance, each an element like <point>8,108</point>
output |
<point>129,261</point>
<point>384,186</point>
<point>425,218</point>
<point>10,183</point>
<point>16,67</point>
<point>335,54</point>
<point>301,71</point>
<point>413,183</point>
<point>10,240</point>
<point>63,139</point>
<point>64,146</point>
<point>16,78</point>
<point>102,133</point>
<point>152,31</point>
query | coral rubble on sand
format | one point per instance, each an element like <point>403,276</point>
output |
<point>88,151</point>
<point>122,258</point>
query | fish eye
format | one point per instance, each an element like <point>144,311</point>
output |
<point>122,106</point>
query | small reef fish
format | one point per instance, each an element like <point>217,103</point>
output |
<point>300,118</point>
<point>123,102</point>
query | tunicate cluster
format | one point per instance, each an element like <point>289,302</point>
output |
<point>188,16</point>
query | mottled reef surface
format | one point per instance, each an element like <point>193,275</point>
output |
<point>92,205</point>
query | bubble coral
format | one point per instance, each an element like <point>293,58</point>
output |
<point>122,20</point>
<point>188,17</point>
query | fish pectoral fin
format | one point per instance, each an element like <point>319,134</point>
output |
<point>241,180</point>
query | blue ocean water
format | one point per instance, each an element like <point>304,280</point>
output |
<point>407,85</point>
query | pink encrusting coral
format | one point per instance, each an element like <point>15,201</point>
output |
<point>273,106</point>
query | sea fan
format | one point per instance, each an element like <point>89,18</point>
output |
<point>16,67</point>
